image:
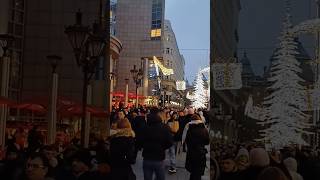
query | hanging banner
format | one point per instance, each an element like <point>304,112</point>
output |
<point>180,85</point>
<point>227,76</point>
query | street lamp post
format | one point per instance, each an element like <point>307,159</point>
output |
<point>52,118</point>
<point>137,77</point>
<point>88,45</point>
<point>112,76</point>
<point>164,96</point>
<point>5,40</point>
<point>126,93</point>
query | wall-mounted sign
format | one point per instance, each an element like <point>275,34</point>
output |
<point>180,85</point>
<point>227,76</point>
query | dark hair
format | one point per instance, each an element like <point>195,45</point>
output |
<point>44,159</point>
<point>272,173</point>
<point>83,155</point>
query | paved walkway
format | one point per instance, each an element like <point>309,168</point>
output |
<point>182,173</point>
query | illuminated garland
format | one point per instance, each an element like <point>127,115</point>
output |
<point>164,70</point>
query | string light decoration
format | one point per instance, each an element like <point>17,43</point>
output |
<point>200,97</point>
<point>165,71</point>
<point>282,112</point>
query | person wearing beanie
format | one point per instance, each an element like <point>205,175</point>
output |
<point>196,138</point>
<point>242,159</point>
<point>292,166</point>
<point>259,160</point>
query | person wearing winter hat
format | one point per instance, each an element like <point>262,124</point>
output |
<point>292,167</point>
<point>242,159</point>
<point>259,160</point>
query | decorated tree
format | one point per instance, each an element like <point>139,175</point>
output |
<point>282,114</point>
<point>200,98</point>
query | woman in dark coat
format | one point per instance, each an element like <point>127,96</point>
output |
<point>196,138</point>
<point>122,152</point>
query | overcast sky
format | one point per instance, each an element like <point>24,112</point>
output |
<point>260,26</point>
<point>190,20</point>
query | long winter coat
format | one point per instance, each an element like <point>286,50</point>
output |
<point>155,138</point>
<point>197,137</point>
<point>122,155</point>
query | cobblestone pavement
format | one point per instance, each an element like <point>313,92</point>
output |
<point>182,173</point>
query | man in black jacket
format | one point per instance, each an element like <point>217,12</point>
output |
<point>155,139</point>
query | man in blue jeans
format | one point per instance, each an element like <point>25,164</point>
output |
<point>154,140</point>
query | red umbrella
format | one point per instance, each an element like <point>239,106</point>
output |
<point>76,110</point>
<point>31,106</point>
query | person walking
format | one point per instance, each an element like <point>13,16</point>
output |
<point>196,137</point>
<point>122,152</point>
<point>182,125</point>
<point>154,140</point>
<point>173,123</point>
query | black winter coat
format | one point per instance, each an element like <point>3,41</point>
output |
<point>156,137</point>
<point>196,139</point>
<point>122,155</point>
<point>182,123</point>
<point>251,173</point>
<point>229,176</point>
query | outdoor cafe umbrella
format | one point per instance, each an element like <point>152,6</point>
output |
<point>33,107</point>
<point>76,110</point>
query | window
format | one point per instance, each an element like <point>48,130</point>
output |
<point>168,38</point>
<point>155,33</point>
<point>167,51</point>
<point>156,19</point>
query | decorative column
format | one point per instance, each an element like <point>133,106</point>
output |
<point>126,93</point>
<point>52,116</point>
<point>145,76</point>
<point>52,121</point>
<point>88,117</point>
<point>4,93</point>
<point>111,81</point>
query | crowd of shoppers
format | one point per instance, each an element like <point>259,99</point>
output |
<point>157,133</point>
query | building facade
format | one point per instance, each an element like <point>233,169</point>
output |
<point>174,60</point>
<point>139,25</point>
<point>144,33</point>
<point>224,104</point>
<point>12,22</point>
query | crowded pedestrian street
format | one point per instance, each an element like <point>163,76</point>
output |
<point>181,173</point>
<point>159,90</point>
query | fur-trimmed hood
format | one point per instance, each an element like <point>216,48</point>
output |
<point>128,132</point>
